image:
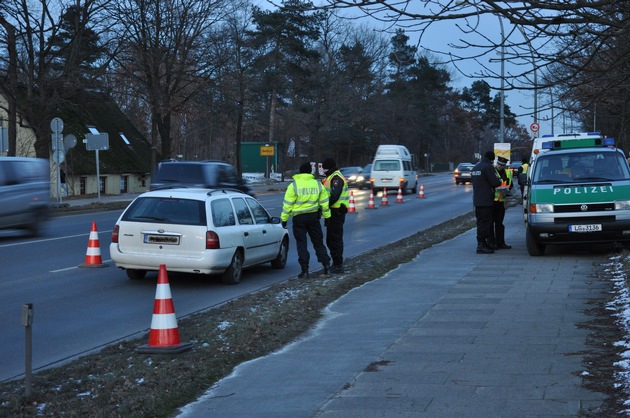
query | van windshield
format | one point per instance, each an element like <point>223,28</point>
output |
<point>386,165</point>
<point>580,167</point>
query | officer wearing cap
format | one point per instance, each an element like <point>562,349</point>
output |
<point>484,180</point>
<point>337,187</point>
<point>305,199</point>
<point>497,233</point>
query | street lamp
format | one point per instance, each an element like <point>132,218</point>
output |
<point>502,110</point>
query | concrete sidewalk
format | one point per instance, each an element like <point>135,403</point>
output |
<point>450,334</point>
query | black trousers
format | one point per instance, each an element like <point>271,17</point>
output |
<point>497,233</point>
<point>334,235</point>
<point>484,215</point>
<point>308,224</point>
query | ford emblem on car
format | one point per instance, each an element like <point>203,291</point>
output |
<point>584,208</point>
<point>161,231</point>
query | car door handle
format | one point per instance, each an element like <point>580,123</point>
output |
<point>246,234</point>
<point>264,231</point>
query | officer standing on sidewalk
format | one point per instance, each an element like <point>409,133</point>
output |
<point>304,199</point>
<point>484,180</point>
<point>497,233</point>
<point>337,187</point>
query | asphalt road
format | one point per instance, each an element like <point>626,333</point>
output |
<point>80,310</point>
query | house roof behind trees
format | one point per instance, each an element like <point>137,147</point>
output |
<point>129,151</point>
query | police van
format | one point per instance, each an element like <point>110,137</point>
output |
<point>579,192</point>
<point>393,167</point>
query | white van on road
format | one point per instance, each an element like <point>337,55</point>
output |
<point>393,167</point>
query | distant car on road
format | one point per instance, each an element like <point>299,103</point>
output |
<point>463,173</point>
<point>367,173</point>
<point>202,231</point>
<point>354,176</point>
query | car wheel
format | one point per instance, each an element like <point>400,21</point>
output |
<point>281,260</point>
<point>533,248</point>
<point>136,274</point>
<point>233,273</point>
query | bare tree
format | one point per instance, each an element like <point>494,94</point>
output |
<point>541,23</point>
<point>164,54</point>
<point>37,84</point>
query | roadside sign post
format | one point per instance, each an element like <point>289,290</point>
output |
<point>535,127</point>
<point>97,142</point>
<point>27,322</point>
<point>56,125</point>
<point>267,151</point>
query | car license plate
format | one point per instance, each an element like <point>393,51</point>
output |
<point>161,239</point>
<point>585,228</point>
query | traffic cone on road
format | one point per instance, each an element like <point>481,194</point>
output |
<point>399,198</point>
<point>352,208</point>
<point>93,253</point>
<point>164,334</point>
<point>371,201</point>
<point>421,191</point>
<point>384,201</point>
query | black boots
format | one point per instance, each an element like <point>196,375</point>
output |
<point>482,249</point>
<point>326,272</point>
<point>304,273</point>
<point>336,269</point>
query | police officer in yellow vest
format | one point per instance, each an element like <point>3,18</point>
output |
<point>337,187</point>
<point>522,175</point>
<point>305,199</point>
<point>497,234</point>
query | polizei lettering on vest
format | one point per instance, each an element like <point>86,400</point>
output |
<point>583,190</point>
<point>304,191</point>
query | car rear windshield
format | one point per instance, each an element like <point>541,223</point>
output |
<point>166,210</point>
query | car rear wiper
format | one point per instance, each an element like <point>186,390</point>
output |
<point>153,218</point>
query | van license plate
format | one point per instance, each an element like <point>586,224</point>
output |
<point>585,228</point>
<point>161,239</point>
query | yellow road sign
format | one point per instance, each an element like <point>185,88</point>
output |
<point>266,151</point>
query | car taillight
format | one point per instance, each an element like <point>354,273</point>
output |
<point>115,234</point>
<point>212,241</point>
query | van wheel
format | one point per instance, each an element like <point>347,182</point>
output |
<point>281,260</point>
<point>136,274</point>
<point>234,272</point>
<point>533,248</point>
<point>36,226</point>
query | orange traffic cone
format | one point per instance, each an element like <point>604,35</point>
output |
<point>421,191</point>
<point>352,208</point>
<point>384,201</point>
<point>371,201</point>
<point>164,334</point>
<point>93,253</point>
<point>399,198</point>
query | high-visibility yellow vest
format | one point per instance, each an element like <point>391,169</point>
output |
<point>499,196</point>
<point>344,198</point>
<point>524,168</point>
<point>304,195</point>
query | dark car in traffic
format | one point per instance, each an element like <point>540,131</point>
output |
<point>463,173</point>
<point>354,176</point>
<point>194,174</point>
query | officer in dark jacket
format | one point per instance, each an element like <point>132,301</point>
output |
<point>484,180</point>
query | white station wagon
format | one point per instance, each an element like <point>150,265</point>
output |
<point>206,231</point>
